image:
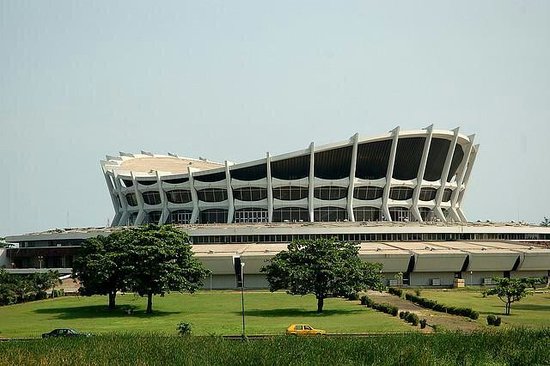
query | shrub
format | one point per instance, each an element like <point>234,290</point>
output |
<point>491,319</point>
<point>403,314</point>
<point>386,308</point>
<point>417,292</point>
<point>412,318</point>
<point>498,320</point>
<point>353,296</point>
<point>184,329</point>
<point>423,323</point>
<point>395,291</point>
<point>365,300</point>
<point>434,305</point>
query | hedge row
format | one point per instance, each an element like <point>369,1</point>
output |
<point>434,305</point>
<point>395,291</point>
<point>409,317</point>
<point>385,308</point>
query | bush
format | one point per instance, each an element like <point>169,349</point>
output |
<point>403,314</point>
<point>412,318</point>
<point>493,320</point>
<point>423,323</point>
<point>395,291</point>
<point>353,296</point>
<point>417,292</point>
<point>184,329</point>
<point>434,305</point>
<point>365,300</point>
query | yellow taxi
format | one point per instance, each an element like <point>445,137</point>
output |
<point>303,329</point>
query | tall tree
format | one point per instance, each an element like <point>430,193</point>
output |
<point>322,267</point>
<point>160,260</point>
<point>545,222</point>
<point>510,290</point>
<point>99,266</point>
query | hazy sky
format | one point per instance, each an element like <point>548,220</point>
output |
<point>230,80</point>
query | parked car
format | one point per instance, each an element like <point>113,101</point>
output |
<point>65,332</point>
<point>304,329</point>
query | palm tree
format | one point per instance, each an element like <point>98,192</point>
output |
<point>545,222</point>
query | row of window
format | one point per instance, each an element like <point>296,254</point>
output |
<point>291,193</point>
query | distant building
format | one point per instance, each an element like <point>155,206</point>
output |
<point>399,195</point>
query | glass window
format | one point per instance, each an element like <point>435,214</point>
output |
<point>401,193</point>
<point>290,193</point>
<point>250,194</point>
<point>426,214</point>
<point>330,193</point>
<point>366,214</point>
<point>427,194</point>
<point>179,196</point>
<point>400,214</point>
<point>153,217</point>
<point>180,217</point>
<point>447,194</point>
<point>212,195</point>
<point>131,199</point>
<point>213,216</point>
<point>251,215</point>
<point>290,214</point>
<point>326,214</point>
<point>151,197</point>
<point>368,193</point>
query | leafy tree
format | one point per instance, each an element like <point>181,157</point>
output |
<point>510,290</point>
<point>99,266</point>
<point>323,267</point>
<point>160,260</point>
<point>43,281</point>
<point>545,222</point>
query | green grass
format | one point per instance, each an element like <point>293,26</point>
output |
<point>516,347</point>
<point>531,311</point>
<point>210,313</point>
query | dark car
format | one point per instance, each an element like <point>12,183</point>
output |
<point>65,332</point>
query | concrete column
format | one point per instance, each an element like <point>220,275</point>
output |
<point>472,159</point>
<point>389,174</point>
<point>269,188</point>
<point>194,197</point>
<point>141,214</point>
<point>461,173</point>
<point>420,176</point>
<point>231,208</point>
<point>444,174</point>
<point>353,166</point>
<point>311,185</point>
<point>165,213</point>
<point>124,218</point>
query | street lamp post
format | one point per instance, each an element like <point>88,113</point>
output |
<point>242,298</point>
<point>471,279</point>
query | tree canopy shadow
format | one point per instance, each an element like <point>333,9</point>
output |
<point>292,312</point>
<point>100,311</point>
<point>535,307</point>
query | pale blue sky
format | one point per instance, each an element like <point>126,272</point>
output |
<point>230,80</point>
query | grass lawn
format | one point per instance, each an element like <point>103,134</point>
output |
<point>210,313</point>
<point>531,311</point>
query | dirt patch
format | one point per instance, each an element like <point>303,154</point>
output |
<point>442,320</point>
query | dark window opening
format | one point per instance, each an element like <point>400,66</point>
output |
<point>153,217</point>
<point>290,214</point>
<point>329,214</point>
<point>407,157</point>
<point>290,193</point>
<point>212,195</point>
<point>366,214</point>
<point>251,215</point>
<point>147,182</point>
<point>180,217</point>
<point>400,214</point>
<point>151,197</point>
<point>289,169</point>
<point>215,177</point>
<point>333,163</point>
<point>213,216</point>
<point>251,173</point>
<point>179,196</point>
<point>447,194</point>
<point>330,193</point>
<point>176,180</point>
<point>372,159</point>
<point>427,194</point>
<point>401,193</point>
<point>131,199</point>
<point>368,193</point>
<point>250,194</point>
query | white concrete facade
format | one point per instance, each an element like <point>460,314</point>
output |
<point>418,175</point>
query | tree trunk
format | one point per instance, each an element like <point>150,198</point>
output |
<point>149,303</point>
<point>320,301</point>
<point>112,301</point>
